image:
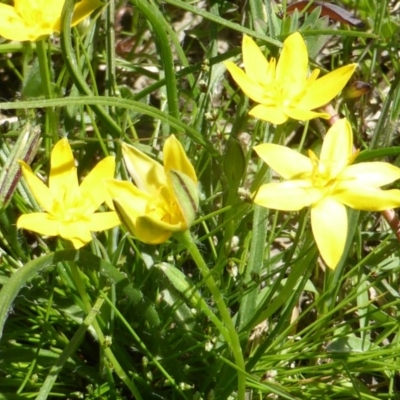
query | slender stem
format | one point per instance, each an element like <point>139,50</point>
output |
<point>107,350</point>
<point>45,75</point>
<point>187,241</point>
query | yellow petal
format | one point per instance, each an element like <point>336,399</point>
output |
<point>273,114</point>
<point>366,198</point>
<point>329,226</point>
<point>129,196</point>
<point>337,148</point>
<point>323,90</point>
<point>373,174</point>
<point>304,115</point>
<point>41,223</point>
<point>83,9</point>
<point>313,77</point>
<point>250,87</point>
<point>77,232</point>
<point>31,20</point>
<point>93,187</point>
<point>12,26</point>
<point>175,159</point>
<point>147,173</point>
<point>288,195</point>
<point>286,162</point>
<point>40,191</point>
<point>102,221</point>
<point>77,243</point>
<point>151,232</point>
<point>63,179</point>
<point>293,62</point>
<point>40,17</point>
<point>255,63</point>
<point>144,228</point>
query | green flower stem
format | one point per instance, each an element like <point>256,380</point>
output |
<point>45,76</point>
<point>107,350</point>
<point>233,341</point>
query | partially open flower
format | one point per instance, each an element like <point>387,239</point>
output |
<point>163,200</point>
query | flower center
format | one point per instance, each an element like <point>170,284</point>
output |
<point>321,175</point>
<point>71,207</point>
<point>164,208</point>
<point>283,93</point>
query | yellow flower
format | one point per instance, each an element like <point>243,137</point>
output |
<point>164,200</point>
<point>69,208</point>
<point>327,184</point>
<point>33,19</point>
<point>284,89</point>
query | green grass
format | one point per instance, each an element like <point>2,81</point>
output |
<point>241,307</point>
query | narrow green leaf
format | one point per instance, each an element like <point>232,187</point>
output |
<point>25,148</point>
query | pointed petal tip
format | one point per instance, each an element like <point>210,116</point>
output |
<point>329,226</point>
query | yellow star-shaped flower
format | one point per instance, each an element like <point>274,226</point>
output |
<point>163,200</point>
<point>327,184</point>
<point>33,19</point>
<point>284,89</point>
<point>69,208</point>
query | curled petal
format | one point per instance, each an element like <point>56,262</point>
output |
<point>147,173</point>
<point>324,89</point>
<point>40,191</point>
<point>329,226</point>
<point>145,228</point>
<point>274,114</point>
<point>42,223</point>
<point>175,159</point>
<point>150,231</point>
<point>287,196</point>
<point>255,63</point>
<point>373,174</point>
<point>337,148</point>
<point>129,196</point>
<point>367,198</point>
<point>141,213</point>
<point>286,162</point>
<point>154,232</point>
